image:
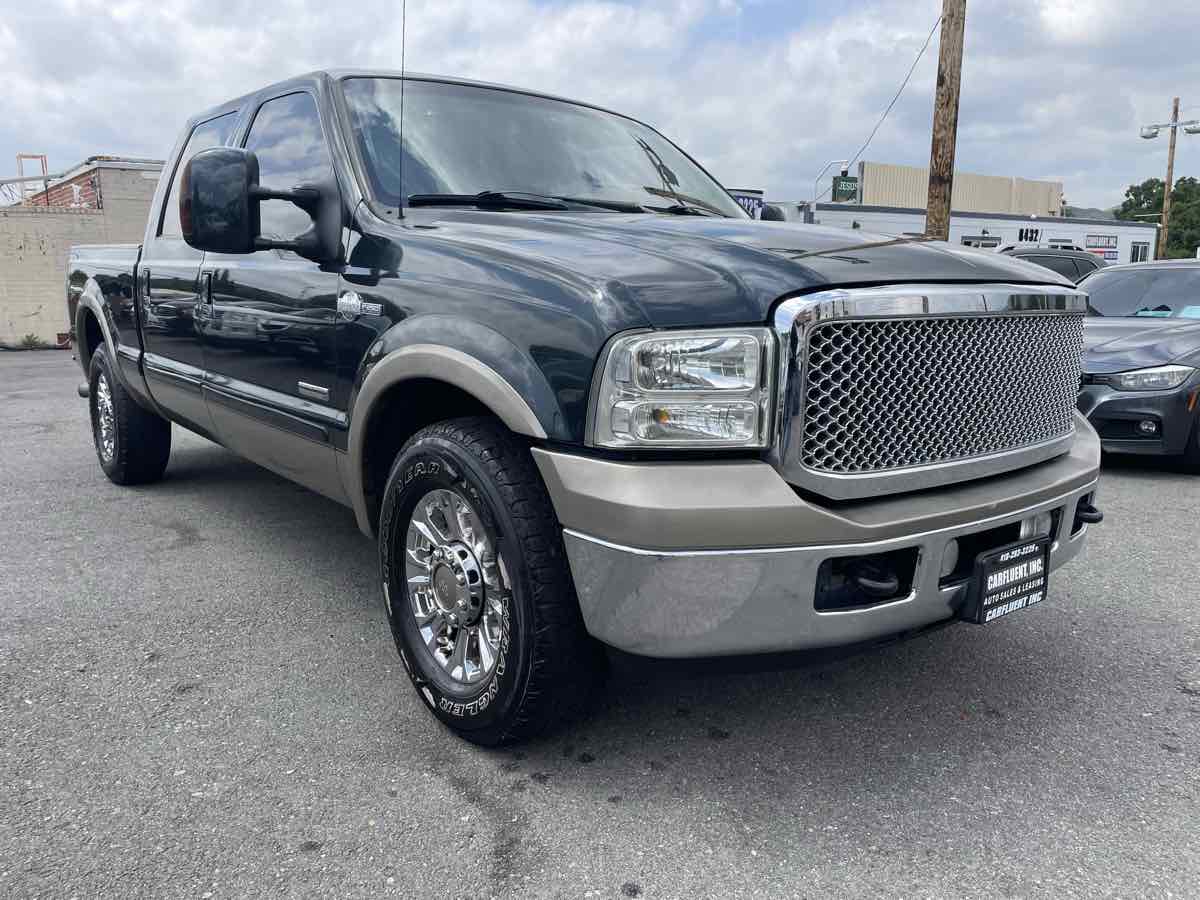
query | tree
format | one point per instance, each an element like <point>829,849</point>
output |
<point>1185,220</point>
<point>1144,201</point>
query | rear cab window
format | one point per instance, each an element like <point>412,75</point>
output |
<point>1063,265</point>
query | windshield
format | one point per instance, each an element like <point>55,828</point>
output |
<point>460,139</point>
<point>1155,293</point>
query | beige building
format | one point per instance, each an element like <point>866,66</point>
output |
<point>102,200</point>
<point>882,184</point>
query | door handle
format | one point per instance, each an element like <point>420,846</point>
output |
<point>145,284</point>
<point>206,293</point>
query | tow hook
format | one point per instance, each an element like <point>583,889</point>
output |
<point>1087,514</point>
<point>874,580</point>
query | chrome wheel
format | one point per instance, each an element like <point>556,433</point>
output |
<point>106,420</point>
<point>457,585</point>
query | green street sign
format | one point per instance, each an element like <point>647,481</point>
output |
<point>845,188</point>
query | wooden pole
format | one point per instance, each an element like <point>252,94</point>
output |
<point>1166,214</point>
<point>945,119</point>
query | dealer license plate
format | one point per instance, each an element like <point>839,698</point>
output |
<point>1009,579</point>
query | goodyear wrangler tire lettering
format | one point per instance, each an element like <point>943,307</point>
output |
<point>495,653</point>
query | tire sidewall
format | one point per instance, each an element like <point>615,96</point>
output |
<point>1191,454</point>
<point>100,366</point>
<point>434,462</point>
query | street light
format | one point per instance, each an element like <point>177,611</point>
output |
<point>844,163</point>
<point>1149,132</point>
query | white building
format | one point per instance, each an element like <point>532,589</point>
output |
<point>1115,240</point>
<point>884,184</point>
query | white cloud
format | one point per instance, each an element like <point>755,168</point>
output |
<point>763,93</point>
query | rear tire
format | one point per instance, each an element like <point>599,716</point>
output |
<point>477,587</point>
<point>133,444</point>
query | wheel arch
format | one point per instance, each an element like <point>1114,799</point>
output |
<point>413,386</point>
<point>92,326</point>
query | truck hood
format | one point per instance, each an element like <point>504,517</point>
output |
<point>694,271</point>
<point>1137,342</point>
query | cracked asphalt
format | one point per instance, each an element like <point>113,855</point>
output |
<point>199,697</point>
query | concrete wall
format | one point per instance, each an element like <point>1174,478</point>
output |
<point>881,184</point>
<point>34,242</point>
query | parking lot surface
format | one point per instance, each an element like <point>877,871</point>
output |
<point>199,697</point>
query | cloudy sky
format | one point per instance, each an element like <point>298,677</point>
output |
<point>764,92</point>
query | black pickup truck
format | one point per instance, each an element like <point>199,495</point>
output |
<point>577,395</point>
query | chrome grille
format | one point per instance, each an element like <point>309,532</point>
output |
<point>884,394</point>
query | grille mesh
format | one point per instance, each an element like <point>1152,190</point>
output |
<point>894,393</point>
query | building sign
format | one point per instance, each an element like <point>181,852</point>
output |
<point>845,188</point>
<point>750,200</point>
<point>1101,242</point>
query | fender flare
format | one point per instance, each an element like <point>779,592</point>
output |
<point>90,299</point>
<point>441,363</point>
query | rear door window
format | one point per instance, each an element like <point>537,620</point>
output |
<point>1063,265</point>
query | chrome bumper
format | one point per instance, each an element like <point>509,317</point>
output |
<point>648,595</point>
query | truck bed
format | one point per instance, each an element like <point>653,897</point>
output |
<point>113,267</point>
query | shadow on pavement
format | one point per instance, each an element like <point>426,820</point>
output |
<point>786,733</point>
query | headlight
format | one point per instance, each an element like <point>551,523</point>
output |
<point>1160,378</point>
<point>686,389</point>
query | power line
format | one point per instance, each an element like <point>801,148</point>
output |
<point>899,91</point>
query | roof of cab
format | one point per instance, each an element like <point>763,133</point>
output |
<point>1157,264</point>
<point>340,74</point>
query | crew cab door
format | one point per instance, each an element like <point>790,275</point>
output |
<point>270,334</point>
<point>172,303</point>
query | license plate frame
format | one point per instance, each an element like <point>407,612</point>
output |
<point>1008,579</point>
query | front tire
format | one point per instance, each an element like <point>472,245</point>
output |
<point>133,444</point>
<point>1191,455</point>
<point>477,587</point>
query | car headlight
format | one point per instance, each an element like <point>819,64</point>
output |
<point>1159,378</point>
<point>685,389</point>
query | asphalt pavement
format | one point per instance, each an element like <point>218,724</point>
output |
<point>199,697</point>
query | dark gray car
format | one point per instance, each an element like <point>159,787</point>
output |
<point>1072,264</point>
<point>1141,363</point>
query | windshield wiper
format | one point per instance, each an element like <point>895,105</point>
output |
<point>683,209</point>
<point>488,200</point>
<point>522,200</point>
<point>614,205</point>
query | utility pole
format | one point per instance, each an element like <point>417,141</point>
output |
<point>1166,219</point>
<point>1150,132</point>
<point>945,119</point>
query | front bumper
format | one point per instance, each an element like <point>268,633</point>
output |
<point>722,558</point>
<point>1115,416</point>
